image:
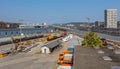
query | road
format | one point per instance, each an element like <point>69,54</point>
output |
<point>114,38</point>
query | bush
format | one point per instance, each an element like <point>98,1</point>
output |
<point>91,39</point>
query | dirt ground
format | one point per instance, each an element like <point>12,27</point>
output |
<point>32,61</point>
<point>8,46</point>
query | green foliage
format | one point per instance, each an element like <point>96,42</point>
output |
<point>91,39</point>
<point>19,51</point>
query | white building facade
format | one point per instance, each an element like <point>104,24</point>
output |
<point>111,16</point>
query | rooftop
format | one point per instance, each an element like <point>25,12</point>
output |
<point>88,58</point>
<point>111,9</point>
<point>53,43</point>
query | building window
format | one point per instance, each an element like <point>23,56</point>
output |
<point>16,32</point>
<point>5,33</point>
<point>11,32</point>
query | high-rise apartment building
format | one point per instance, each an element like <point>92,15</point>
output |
<point>97,23</point>
<point>118,25</point>
<point>111,18</point>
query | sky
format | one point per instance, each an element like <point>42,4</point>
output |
<point>55,11</point>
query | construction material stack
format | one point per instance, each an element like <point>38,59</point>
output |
<point>65,60</point>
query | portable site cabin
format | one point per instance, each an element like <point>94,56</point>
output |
<point>48,48</point>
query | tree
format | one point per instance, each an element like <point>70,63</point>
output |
<point>91,39</point>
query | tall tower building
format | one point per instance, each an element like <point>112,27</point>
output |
<point>111,18</point>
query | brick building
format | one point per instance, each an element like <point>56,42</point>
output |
<point>6,25</point>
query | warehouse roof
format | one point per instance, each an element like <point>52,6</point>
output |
<point>88,58</point>
<point>53,44</point>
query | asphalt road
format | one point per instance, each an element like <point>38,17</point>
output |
<point>114,38</point>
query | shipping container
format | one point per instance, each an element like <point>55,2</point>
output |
<point>71,49</point>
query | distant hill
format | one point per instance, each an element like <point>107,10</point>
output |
<point>75,23</point>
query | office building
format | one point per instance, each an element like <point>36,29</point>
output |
<point>8,25</point>
<point>98,23</point>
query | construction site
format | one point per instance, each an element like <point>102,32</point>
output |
<point>56,51</point>
<point>38,53</point>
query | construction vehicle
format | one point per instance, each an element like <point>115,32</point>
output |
<point>53,36</point>
<point>105,42</point>
<point>50,38</point>
<point>4,53</point>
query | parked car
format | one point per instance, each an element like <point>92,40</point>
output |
<point>104,41</point>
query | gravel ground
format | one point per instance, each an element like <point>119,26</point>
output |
<point>32,61</point>
<point>8,46</point>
